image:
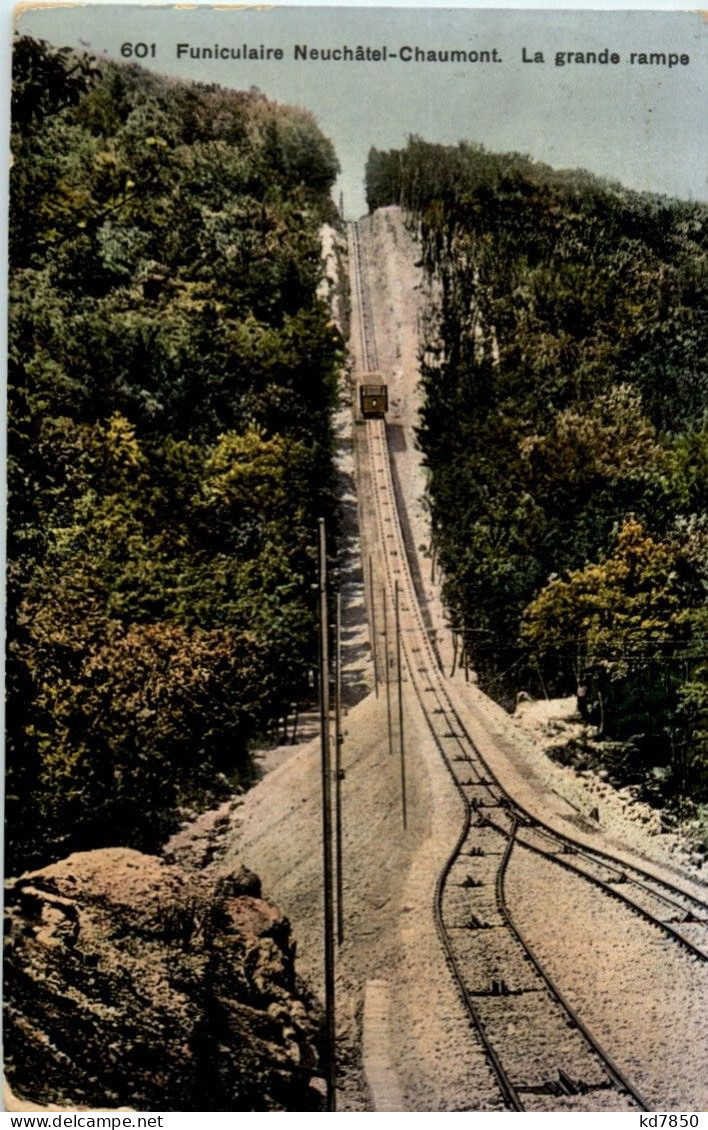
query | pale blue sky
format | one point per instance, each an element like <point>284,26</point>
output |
<point>646,126</point>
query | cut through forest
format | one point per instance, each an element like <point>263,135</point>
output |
<point>565,431</point>
<point>171,389</point>
<point>182,412</point>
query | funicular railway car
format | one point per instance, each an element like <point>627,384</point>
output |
<point>373,400</point>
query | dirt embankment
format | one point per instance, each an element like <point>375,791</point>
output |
<point>389,871</point>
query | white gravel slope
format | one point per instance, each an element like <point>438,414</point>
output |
<point>389,881</point>
<point>390,876</point>
<point>594,948</point>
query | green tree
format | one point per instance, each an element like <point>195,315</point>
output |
<point>172,377</point>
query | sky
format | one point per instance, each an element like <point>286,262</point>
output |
<point>643,124</point>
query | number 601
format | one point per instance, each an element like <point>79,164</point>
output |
<point>137,50</point>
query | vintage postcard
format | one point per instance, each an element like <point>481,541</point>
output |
<point>357,680</point>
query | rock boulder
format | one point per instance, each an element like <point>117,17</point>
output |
<point>130,981</point>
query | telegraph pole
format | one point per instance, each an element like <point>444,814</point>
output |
<point>400,710</point>
<point>388,675</point>
<point>330,1065</point>
<point>338,772</point>
<point>373,627</point>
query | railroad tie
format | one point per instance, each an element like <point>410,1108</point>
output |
<point>497,987</point>
<point>564,1085</point>
<point>684,919</point>
<point>475,923</point>
<point>469,881</point>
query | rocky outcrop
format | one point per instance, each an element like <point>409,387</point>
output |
<point>130,981</point>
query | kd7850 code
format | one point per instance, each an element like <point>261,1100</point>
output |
<point>672,1121</point>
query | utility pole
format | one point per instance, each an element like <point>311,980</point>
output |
<point>373,627</point>
<point>331,1065</point>
<point>400,709</point>
<point>388,674</point>
<point>338,772</point>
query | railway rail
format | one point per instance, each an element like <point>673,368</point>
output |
<point>369,351</point>
<point>543,1055</point>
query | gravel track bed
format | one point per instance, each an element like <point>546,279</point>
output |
<point>473,871</point>
<point>640,897</point>
<point>476,794</point>
<point>655,902</point>
<point>488,955</point>
<point>672,900</point>
<point>538,1041</point>
<point>644,890</point>
<point>461,907</point>
<point>484,838</point>
<point>696,932</point>
<point>390,877</point>
<point>641,996</point>
<point>596,1101</point>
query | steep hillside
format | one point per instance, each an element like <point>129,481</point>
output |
<point>172,378</point>
<point>565,435</point>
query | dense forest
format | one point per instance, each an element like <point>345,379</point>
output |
<point>565,431</point>
<point>171,380</point>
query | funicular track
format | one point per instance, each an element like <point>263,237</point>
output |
<point>543,1055</point>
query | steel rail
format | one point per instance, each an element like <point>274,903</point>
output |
<point>470,753</point>
<point>618,1075</point>
<point>508,1088</point>
<point>612,891</point>
<point>597,855</point>
<point>621,867</point>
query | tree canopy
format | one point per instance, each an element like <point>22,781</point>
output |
<point>172,375</point>
<point>564,429</point>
